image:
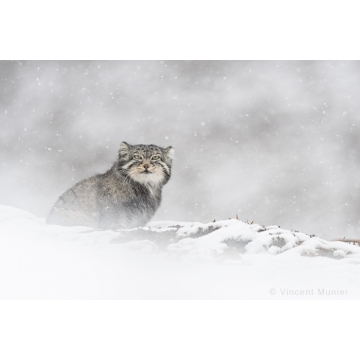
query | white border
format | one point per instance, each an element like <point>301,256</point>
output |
<point>216,30</point>
<point>178,329</point>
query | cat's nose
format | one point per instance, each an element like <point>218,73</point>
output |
<point>146,166</point>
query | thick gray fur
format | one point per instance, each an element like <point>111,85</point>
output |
<point>126,196</point>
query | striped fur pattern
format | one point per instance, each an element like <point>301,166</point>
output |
<point>126,196</point>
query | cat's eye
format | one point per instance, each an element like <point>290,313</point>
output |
<point>155,157</point>
<point>137,157</point>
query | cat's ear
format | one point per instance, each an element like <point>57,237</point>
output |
<point>124,150</point>
<point>169,154</point>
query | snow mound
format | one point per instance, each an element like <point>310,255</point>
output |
<point>227,259</point>
<point>233,237</point>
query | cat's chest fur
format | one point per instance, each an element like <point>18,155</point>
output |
<point>130,203</point>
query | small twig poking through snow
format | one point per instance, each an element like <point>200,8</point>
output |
<point>352,242</point>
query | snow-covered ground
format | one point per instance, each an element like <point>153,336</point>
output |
<point>226,259</point>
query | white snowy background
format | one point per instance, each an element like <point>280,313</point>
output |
<point>226,259</point>
<point>275,143</point>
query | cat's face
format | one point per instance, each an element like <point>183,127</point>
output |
<point>146,164</point>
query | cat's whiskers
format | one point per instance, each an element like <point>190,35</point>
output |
<point>176,174</point>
